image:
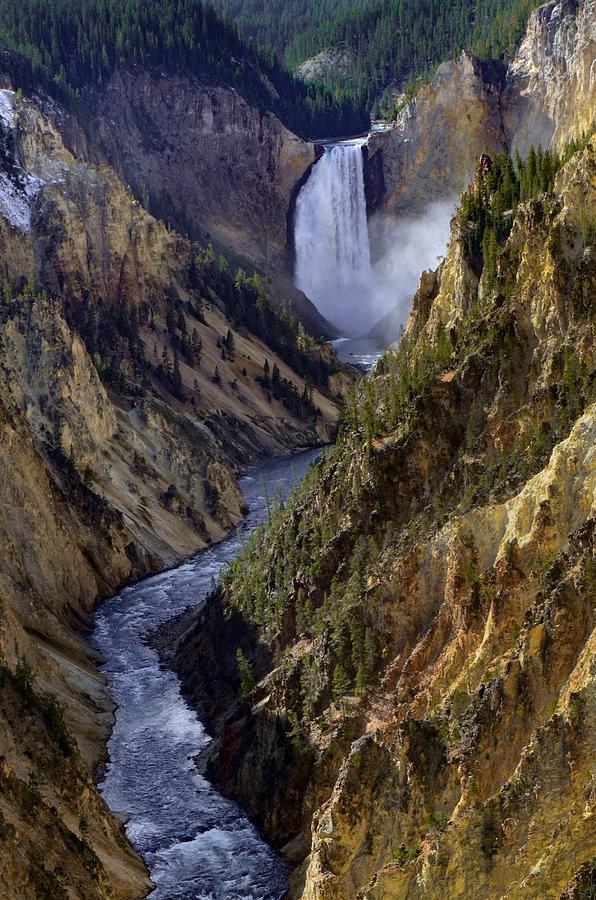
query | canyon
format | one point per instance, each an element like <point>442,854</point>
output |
<point>418,619</point>
<point>416,716</point>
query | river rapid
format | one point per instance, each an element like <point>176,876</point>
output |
<point>196,843</point>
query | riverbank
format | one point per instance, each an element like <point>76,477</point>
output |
<point>192,838</point>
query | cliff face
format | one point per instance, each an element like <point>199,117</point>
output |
<point>62,546</point>
<point>207,159</point>
<point>546,97</point>
<point>211,164</point>
<point>551,82</point>
<point>75,229</point>
<point>419,618</point>
<point>434,146</point>
<point>200,158</point>
<point>128,403</point>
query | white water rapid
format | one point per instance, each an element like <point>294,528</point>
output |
<point>333,264</point>
<point>197,844</point>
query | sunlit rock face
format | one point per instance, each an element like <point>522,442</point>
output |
<point>432,150</point>
<point>546,97</point>
<point>551,82</point>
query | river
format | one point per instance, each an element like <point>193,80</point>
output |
<point>196,843</point>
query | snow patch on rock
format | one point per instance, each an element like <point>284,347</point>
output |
<point>18,188</point>
<point>7,115</point>
<point>17,197</point>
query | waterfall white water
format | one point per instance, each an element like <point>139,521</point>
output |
<point>331,238</point>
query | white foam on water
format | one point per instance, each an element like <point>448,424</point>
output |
<point>197,843</point>
<point>333,241</point>
<point>331,238</point>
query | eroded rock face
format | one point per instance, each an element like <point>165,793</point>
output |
<point>211,164</point>
<point>546,97</point>
<point>487,775</point>
<point>551,82</point>
<point>233,179</point>
<point>434,146</point>
<point>62,545</point>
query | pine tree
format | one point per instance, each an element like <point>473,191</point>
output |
<point>341,681</point>
<point>196,346</point>
<point>166,362</point>
<point>246,676</point>
<point>490,249</point>
<point>177,377</point>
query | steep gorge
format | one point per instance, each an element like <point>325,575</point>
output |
<point>132,392</point>
<point>418,619</point>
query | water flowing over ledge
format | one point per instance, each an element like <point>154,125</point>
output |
<point>333,265</point>
<point>196,843</point>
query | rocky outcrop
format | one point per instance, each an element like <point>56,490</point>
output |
<point>215,167</point>
<point>546,97</point>
<point>551,82</point>
<point>419,619</point>
<point>432,150</point>
<point>334,61</point>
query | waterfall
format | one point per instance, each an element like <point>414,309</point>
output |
<point>331,238</point>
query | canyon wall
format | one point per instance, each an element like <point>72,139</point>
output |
<point>551,82</point>
<point>432,150</point>
<point>132,392</point>
<point>419,618</point>
<point>214,166</point>
<point>546,96</point>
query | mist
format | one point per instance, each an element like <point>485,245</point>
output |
<point>402,249</point>
<point>357,272</point>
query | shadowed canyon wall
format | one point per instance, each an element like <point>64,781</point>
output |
<point>107,478</point>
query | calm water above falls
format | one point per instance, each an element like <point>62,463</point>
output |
<point>196,843</point>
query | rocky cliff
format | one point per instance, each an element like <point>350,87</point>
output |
<point>432,149</point>
<point>546,96</point>
<point>74,229</point>
<point>132,391</point>
<point>215,167</point>
<point>418,621</point>
<point>551,82</point>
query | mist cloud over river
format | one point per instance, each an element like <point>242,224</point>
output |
<point>356,272</point>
